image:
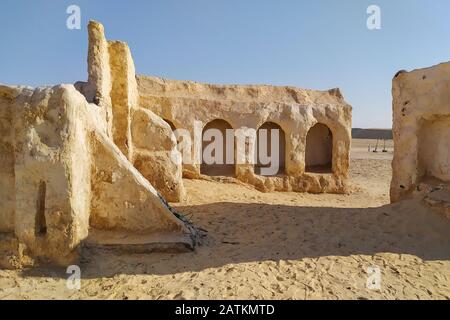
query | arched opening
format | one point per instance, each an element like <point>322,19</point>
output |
<point>434,150</point>
<point>218,149</point>
<point>172,126</point>
<point>270,164</point>
<point>170,123</point>
<point>319,149</point>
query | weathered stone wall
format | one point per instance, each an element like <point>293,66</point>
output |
<point>421,122</point>
<point>123,94</point>
<point>69,178</point>
<point>112,85</point>
<point>7,193</point>
<point>154,147</point>
<point>122,199</point>
<point>182,102</point>
<point>294,110</point>
<point>51,161</point>
<point>77,162</point>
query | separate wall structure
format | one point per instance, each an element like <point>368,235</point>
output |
<point>421,116</point>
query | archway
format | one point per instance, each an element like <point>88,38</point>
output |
<point>172,126</point>
<point>319,149</point>
<point>170,123</point>
<point>266,148</point>
<point>218,146</point>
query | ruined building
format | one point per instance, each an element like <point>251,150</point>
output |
<point>314,126</point>
<point>421,116</point>
<point>91,164</point>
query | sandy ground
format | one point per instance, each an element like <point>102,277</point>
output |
<point>275,246</point>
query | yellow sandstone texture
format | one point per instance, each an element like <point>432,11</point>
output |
<point>91,164</point>
<point>67,175</point>
<point>315,125</point>
<point>421,115</point>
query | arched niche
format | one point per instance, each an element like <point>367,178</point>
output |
<point>265,145</point>
<point>220,145</point>
<point>319,149</point>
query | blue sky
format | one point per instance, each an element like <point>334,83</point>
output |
<point>316,44</point>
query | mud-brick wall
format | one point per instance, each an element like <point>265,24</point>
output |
<point>7,193</point>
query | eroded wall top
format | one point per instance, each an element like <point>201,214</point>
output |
<point>239,93</point>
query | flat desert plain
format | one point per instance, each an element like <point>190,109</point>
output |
<point>276,246</point>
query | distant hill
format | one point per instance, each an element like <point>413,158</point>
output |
<point>358,133</point>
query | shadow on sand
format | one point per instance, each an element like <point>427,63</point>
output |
<point>252,232</point>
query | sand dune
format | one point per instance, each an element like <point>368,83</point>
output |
<point>275,246</point>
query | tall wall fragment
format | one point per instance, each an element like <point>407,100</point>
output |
<point>112,85</point>
<point>421,127</point>
<point>7,175</point>
<point>124,94</point>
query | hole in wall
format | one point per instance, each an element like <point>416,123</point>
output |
<point>40,223</point>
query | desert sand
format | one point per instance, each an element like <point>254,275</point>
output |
<point>275,246</point>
